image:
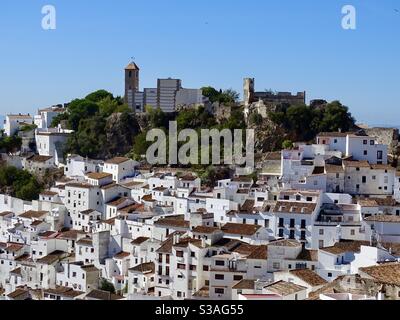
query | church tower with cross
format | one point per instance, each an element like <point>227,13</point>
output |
<point>131,83</point>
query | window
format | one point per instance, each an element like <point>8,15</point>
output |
<point>219,277</point>
<point>281,222</point>
<point>365,142</point>
<point>237,278</point>
<point>321,232</point>
<point>292,221</point>
<point>193,254</point>
<point>380,155</point>
<point>364,179</point>
<point>276,265</point>
<point>220,263</point>
<point>281,233</point>
<point>303,235</point>
<point>372,142</point>
<point>352,232</point>
<point>181,266</point>
<point>219,291</point>
<point>192,267</point>
<point>179,254</point>
<point>167,271</point>
<point>205,268</point>
<point>291,236</point>
<point>321,244</point>
<point>309,199</point>
<point>329,275</point>
<point>303,224</point>
<point>365,152</point>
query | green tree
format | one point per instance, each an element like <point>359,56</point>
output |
<point>256,118</point>
<point>11,144</point>
<point>22,184</point>
<point>80,109</point>
<point>99,95</point>
<point>106,285</point>
<point>157,118</point>
<point>287,144</point>
<point>211,93</point>
<point>58,119</point>
<point>228,96</point>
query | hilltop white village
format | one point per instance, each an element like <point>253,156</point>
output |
<point>319,221</point>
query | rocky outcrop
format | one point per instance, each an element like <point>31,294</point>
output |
<point>121,129</point>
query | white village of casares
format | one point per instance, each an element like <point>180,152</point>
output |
<point>318,221</point>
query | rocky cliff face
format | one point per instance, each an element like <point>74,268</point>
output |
<point>121,129</point>
<point>268,136</point>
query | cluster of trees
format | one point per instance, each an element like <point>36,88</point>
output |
<point>195,119</point>
<point>304,122</point>
<point>228,96</point>
<point>19,183</point>
<point>93,135</point>
<point>10,144</point>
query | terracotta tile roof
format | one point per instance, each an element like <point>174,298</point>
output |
<point>173,221</point>
<point>108,186</point>
<point>63,292</point>
<point>346,246</point>
<point>71,234</point>
<point>285,243</point>
<point>356,164</point>
<point>48,193</point>
<point>245,284</point>
<point>140,240</point>
<point>132,66</point>
<point>205,230</point>
<point>388,273</point>
<point>329,168</point>
<point>103,295</point>
<point>367,203</point>
<point>240,229</point>
<point>148,198</point>
<point>122,255</point>
<point>309,276</point>
<point>98,175</point>
<point>79,185</point>
<point>33,214</point>
<point>6,213</point>
<point>117,160</point>
<point>188,177</point>
<point>41,159</point>
<point>160,189</point>
<point>53,257</point>
<point>116,202</point>
<point>18,293</point>
<point>295,207</point>
<point>89,268</point>
<point>284,288</point>
<point>85,242</point>
<point>184,243</point>
<point>166,246</point>
<point>259,253</point>
<point>308,255</point>
<point>382,167</point>
<point>144,268</point>
<point>383,218</point>
<point>248,206</point>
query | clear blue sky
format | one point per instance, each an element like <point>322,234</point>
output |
<point>287,45</point>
